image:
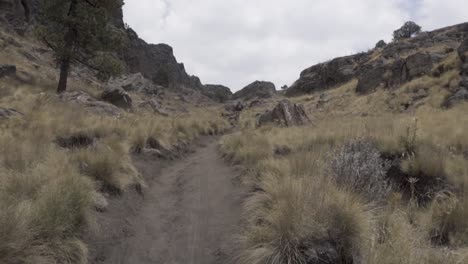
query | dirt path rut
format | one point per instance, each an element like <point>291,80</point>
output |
<point>187,216</point>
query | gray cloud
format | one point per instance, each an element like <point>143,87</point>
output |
<point>234,42</point>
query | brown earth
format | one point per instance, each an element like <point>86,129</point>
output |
<point>188,215</point>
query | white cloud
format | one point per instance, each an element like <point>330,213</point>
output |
<point>433,14</point>
<point>234,42</point>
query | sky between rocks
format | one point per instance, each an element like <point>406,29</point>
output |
<point>235,42</point>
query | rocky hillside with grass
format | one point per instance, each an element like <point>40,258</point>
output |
<point>363,160</point>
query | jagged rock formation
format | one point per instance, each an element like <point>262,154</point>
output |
<point>216,92</point>
<point>155,62</point>
<point>117,97</point>
<point>257,89</point>
<point>285,114</point>
<point>388,66</point>
<point>327,75</point>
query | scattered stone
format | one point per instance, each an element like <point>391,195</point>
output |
<point>76,141</point>
<point>7,70</point>
<point>257,89</point>
<point>96,106</point>
<point>236,106</point>
<point>459,96</point>
<point>285,114</point>
<point>100,202</point>
<point>8,112</point>
<point>118,97</point>
<point>282,150</point>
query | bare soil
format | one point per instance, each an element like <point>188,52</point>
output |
<point>188,215</point>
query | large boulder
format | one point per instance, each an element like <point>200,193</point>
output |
<point>135,83</point>
<point>7,70</point>
<point>118,97</point>
<point>370,79</point>
<point>257,89</point>
<point>418,65</point>
<point>218,93</point>
<point>285,114</point>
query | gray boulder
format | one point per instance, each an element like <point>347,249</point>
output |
<point>7,70</point>
<point>285,114</point>
<point>118,97</point>
<point>459,96</point>
<point>236,106</point>
<point>257,89</point>
<point>91,104</point>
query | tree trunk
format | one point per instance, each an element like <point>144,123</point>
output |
<point>64,69</point>
<point>65,61</point>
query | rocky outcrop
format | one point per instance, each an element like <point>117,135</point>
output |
<point>135,83</point>
<point>157,63</point>
<point>257,89</point>
<point>7,70</point>
<point>285,114</point>
<point>388,65</point>
<point>93,105</point>
<point>218,93</point>
<point>393,74</point>
<point>326,75</point>
<point>461,94</point>
<point>463,51</point>
<point>117,97</point>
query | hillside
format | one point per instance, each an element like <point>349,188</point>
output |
<point>363,160</point>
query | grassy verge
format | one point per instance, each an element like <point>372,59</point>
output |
<point>356,189</point>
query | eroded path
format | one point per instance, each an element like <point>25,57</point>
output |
<point>187,216</point>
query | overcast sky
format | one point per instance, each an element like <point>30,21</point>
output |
<point>235,42</point>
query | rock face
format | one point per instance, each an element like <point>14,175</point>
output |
<point>285,114</point>
<point>326,75</point>
<point>7,70</point>
<point>388,65</point>
<point>218,93</point>
<point>117,97</point>
<point>157,63</point>
<point>461,94</point>
<point>135,83</point>
<point>394,74</point>
<point>257,89</point>
<point>463,51</point>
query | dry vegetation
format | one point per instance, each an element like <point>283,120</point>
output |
<point>357,186</point>
<point>48,190</point>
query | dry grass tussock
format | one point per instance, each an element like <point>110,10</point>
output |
<point>322,198</point>
<point>48,193</point>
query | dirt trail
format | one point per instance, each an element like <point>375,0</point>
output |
<point>187,216</point>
